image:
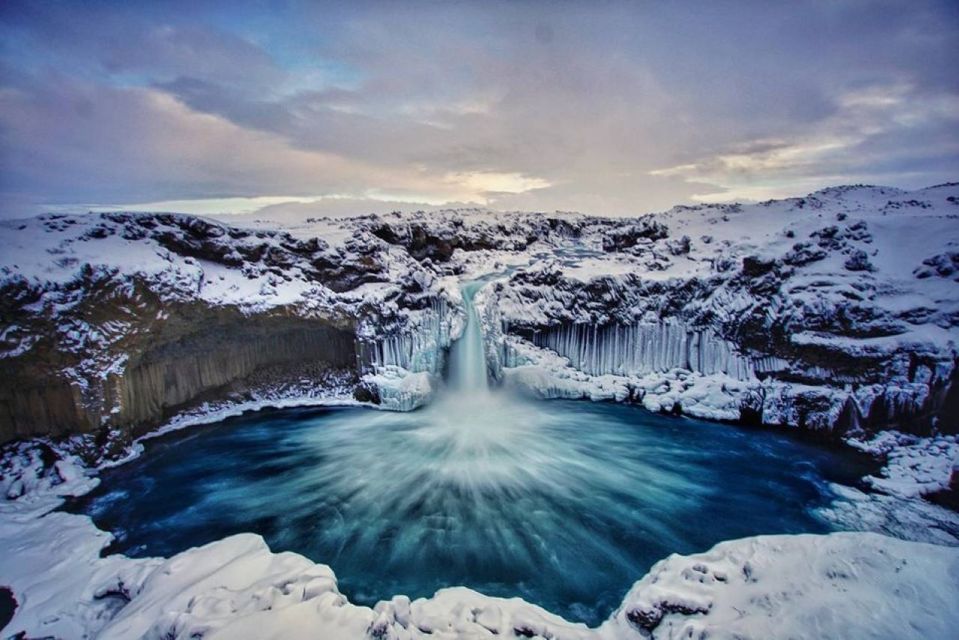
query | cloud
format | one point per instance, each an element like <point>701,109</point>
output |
<point>92,143</point>
<point>876,133</point>
<point>150,148</point>
<point>492,182</point>
<point>621,107</point>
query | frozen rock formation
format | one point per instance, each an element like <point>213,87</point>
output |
<point>837,312</point>
<point>773,296</point>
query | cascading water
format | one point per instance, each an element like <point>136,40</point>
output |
<point>467,366</point>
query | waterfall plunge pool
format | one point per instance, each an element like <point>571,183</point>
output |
<point>563,503</point>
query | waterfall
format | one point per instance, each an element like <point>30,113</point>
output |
<point>402,368</point>
<point>467,366</point>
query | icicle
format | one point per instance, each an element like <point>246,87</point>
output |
<point>646,348</point>
<point>420,347</point>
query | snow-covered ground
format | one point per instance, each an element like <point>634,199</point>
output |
<point>915,466</point>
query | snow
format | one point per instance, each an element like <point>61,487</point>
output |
<point>591,268</point>
<point>844,585</point>
<point>545,374</point>
<point>859,274</point>
<point>604,280</point>
<point>906,518</point>
<point>400,389</point>
<point>304,395</point>
<point>915,466</point>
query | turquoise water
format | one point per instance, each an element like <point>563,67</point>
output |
<point>562,503</point>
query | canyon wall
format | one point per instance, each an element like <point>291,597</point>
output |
<point>175,374</point>
<point>169,366</point>
<point>808,312</point>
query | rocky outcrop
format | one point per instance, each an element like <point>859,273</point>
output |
<point>123,320</point>
<point>437,240</point>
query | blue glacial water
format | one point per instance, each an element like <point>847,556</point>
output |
<point>562,503</point>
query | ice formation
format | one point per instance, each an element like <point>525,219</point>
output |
<point>420,347</point>
<point>644,348</point>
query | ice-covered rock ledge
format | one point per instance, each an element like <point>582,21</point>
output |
<point>915,466</point>
<point>546,374</point>
<point>843,585</point>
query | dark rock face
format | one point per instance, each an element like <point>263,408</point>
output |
<point>8,606</point>
<point>648,618</point>
<point>944,265</point>
<point>31,406</point>
<point>948,410</point>
<point>172,364</point>
<point>858,261</point>
<point>427,240</point>
<point>178,370</point>
<point>621,238</point>
<point>754,266</point>
<point>803,253</point>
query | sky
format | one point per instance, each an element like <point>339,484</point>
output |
<point>614,108</point>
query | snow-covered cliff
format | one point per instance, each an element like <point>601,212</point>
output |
<point>836,312</point>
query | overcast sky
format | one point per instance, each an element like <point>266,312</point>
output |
<point>604,107</point>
